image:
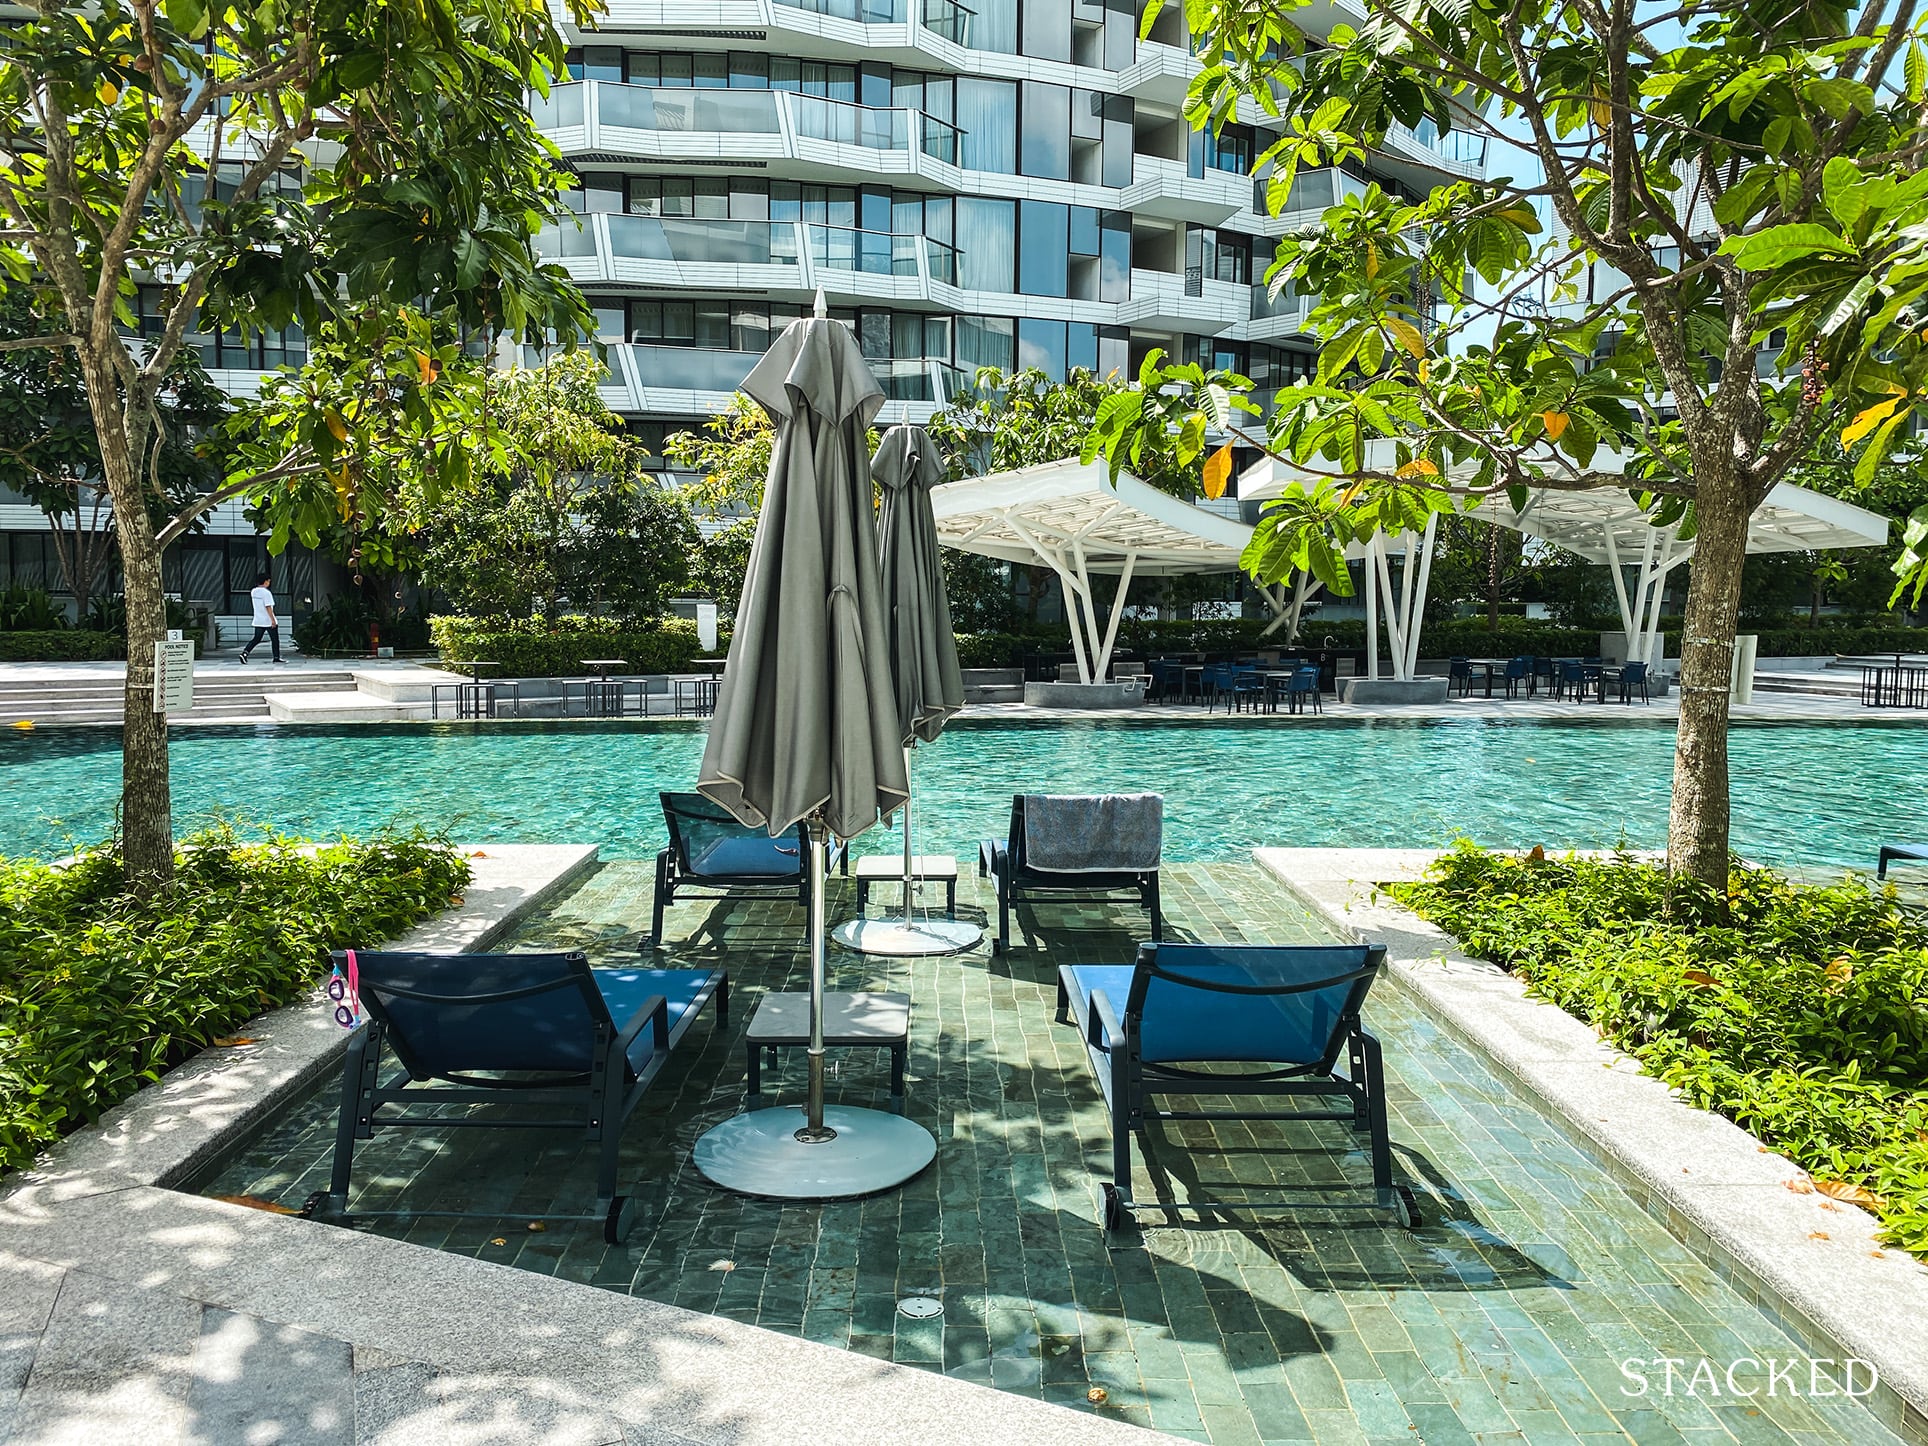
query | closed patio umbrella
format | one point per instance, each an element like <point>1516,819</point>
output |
<point>806,730</point>
<point>928,686</point>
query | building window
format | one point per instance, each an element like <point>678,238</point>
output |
<point>987,116</point>
<point>1045,148</point>
<point>1044,248</point>
<point>986,260</point>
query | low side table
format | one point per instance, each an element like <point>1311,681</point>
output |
<point>850,1021</point>
<point>879,871</point>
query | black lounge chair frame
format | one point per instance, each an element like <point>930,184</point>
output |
<point>1003,862</point>
<point>677,875</point>
<point>599,1101</point>
<point>1131,1085</point>
<point>1916,853</point>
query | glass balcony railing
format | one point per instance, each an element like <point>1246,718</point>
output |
<point>735,243</point>
<point>949,19</point>
<point>868,12</point>
<point>557,242</point>
<point>754,243</point>
<point>1313,193</point>
<point>560,108</point>
<point>916,379</point>
<point>654,108</point>
<point>1454,146</point>
<point>1287,303</point>
<point>694,369</point>
<point>876,128</point>
<point>879,253</point>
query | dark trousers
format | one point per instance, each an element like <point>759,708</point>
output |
<point>273,635</point>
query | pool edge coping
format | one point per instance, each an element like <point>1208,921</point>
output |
<point>1731,1205</point>
<point>104,1202</point>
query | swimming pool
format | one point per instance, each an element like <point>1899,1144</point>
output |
<point>1805,795</point>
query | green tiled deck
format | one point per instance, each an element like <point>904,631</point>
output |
<point>1504,1318</point>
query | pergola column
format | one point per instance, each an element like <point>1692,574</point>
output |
<point>1405,605</point>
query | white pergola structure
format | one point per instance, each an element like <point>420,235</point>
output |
<point>1074,519</point>
<point>1600,524</point>
<point>1403,605</point>
<point>1605,526</point>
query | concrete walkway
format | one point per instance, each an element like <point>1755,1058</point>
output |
<point>133,1313</point>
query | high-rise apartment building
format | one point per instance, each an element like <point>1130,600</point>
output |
<point>1007,183</point>
<point>1004,182</point>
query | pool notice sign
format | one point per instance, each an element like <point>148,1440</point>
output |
<point>173,674</point>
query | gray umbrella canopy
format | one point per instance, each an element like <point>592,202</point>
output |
<point>806,722</point>
<point>923,651</point>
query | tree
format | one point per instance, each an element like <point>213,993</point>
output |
<point>567,515</point>
<point>1739,268</point>
<point>48,452</point>
<point>273,163</point>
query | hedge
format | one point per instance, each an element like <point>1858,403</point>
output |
<point>530,648</point>
<point>1468,636</point>
<point>103,989</point>
<point>70,645</point>
<point>1829,638</point>
<point>1795,1010</point>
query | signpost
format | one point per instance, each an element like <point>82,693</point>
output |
<point>173,674</point>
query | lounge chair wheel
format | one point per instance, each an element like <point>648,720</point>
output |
<point>622,1215</point>
<point>1406,1207</point>
<point>1116,1215</point>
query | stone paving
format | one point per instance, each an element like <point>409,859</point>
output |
<point>1506,1317</point>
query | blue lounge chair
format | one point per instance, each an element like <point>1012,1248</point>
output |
<point>1900,853</point>
<point>1008,864</point>
<point>712,852</point>
<point>585,1041</point>
<point>1156,1027</point>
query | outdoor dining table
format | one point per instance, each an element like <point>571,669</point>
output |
<point>1489,668</point>
<point>1894,685</point>
<point>699,694</point>
<point>599,693</point>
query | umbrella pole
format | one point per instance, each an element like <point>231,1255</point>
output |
<point>910,883</point>
<point>814,1131</point>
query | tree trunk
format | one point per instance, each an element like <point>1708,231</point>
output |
<point>147,829</point>
<point>1697,829</point>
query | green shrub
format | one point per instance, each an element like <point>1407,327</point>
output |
<point>30,610</point>
<point>529,648</point>
<point>340,627</point>
<point>1799,1012</point>
<point>102,990</point>
<point>72,645</point>
<point>1829,638</point>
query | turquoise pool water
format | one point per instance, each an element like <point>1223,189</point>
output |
<point>1805,796</point>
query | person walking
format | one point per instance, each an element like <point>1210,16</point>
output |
<point>266,624</point>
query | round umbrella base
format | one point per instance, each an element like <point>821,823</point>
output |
<point>899,939</point>
<point>759,1154</point>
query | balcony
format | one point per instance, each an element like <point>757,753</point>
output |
<point>688,379</point>
<point>606,118</point>
<point>1164,188</point>
<point>771,256</point>
<point>1313,193</point>
<point>1272,318</point>
<point>675,251</point>
<point>1167,301</point>
<point>875,128</point>
<point>1160,75</point>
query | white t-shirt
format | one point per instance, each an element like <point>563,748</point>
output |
<point>263,600</point>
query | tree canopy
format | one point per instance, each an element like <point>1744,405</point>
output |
<point>1735,267</point>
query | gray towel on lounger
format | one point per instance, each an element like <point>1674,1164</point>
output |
<point>1093,833</point>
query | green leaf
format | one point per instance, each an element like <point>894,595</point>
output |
<point>190,17</point>
<point>1845,190</point>
<point>1779,245</point>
